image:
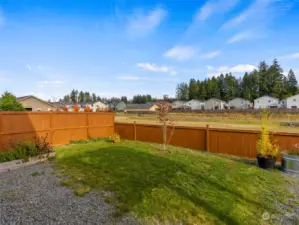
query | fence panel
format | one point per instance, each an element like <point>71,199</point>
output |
<point>242,143</point>
<point>59,127</point>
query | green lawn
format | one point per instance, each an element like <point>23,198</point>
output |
<point>187,186</point>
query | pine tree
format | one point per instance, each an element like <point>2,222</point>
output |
<point>264,79</point>
<point>81,97</point>
<point>193,89</point>
<point>292,84</point>
<point>74,96</point>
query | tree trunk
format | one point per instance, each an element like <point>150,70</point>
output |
<point>164,136</point>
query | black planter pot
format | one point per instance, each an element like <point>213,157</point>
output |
<point>266,162</point>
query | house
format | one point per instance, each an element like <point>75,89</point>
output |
<point>239,103</point>
<point>121,106</point>
<point>266,101</point>
<point>195,104</point>
<point>292,102</point>
<point>100,106</point>
<point>141,108</point>
<point>214,103</point>
<point>34,104</point>
<point>180,106</point>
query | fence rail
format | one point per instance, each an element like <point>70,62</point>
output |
<point>59,127</point>
<point>240,143</point>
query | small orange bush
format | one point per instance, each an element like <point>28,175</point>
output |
<point>76,108</point>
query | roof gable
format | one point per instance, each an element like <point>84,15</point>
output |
<point>32,96</point>
<point>266,96</point>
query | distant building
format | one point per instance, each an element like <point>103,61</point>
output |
<point>180,106</point>
<point>239,103</point>
<point>99,106</point>
<point>215,104</point>
<point>121,106</point>
<point>141,108</point>
<point>34,104</point>
<point>266,102</point>
<point>292,102</point>
<point>195,104</point>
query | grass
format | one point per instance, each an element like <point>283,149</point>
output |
<point>182,186</point>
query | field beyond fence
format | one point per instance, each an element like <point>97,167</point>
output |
<point>242,143</point>
<point>59,127</point>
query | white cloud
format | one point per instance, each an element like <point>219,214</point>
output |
<point>141,24</point>
<point>291,56</point>
<point>240,37</point>
<point>214,7</point>
<point>28,67</point>
<point>181,53</point>
<point>211,55</point>
<point>240,68</point>
<point>130,78</point>
<point>153,67</point>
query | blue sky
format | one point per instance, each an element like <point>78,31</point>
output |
<point>126,47</point>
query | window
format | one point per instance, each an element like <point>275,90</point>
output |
<point>269,101</point>
<point>258,101</point>
<point>294,100</point>
<point>294,107</point>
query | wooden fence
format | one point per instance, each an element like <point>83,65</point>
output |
<point>59,127</point>
<point>240,143</point>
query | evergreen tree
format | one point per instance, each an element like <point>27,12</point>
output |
<point>124,99</point>
<point>292,84</point>
<point>193,89</point>
<point>94,97</point>
<point>81,97</point>
<point>74,96</point>
<point>264,79</point>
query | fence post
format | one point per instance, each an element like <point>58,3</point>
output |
<point>87,125</point>
<point>207,138</point>
<point>135,133</point>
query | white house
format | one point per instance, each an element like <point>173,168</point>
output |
<point>178,104</point>
<point>214,103</point>
<point>99,105</point>
<point>267,102</point>
<point>239,103</point>
<point>292,102</point>
<point>195,104</point>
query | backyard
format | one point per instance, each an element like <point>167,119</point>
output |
<point>135,183</point>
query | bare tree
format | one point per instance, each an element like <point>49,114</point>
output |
<point>166,120</point>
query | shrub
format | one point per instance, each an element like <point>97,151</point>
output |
<point>87,108</point>
<point>76,108</point>
<point>20,150</point>
<point>265,146</point>
<point>115,138</point>
<point>42,145</point>
<point>25,149</point>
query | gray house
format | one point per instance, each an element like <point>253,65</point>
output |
<point>214,103</point>
<point>195,104</point>
<point>239,103</point>
<point>267,102</point>
<point>121,106</point>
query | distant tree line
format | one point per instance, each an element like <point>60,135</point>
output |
<point>265,80</point>
<point>85,97</point>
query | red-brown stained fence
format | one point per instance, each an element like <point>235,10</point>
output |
<point>226,141</point>
<point>59,127</point>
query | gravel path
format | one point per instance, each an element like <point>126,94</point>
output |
<point>29,199</point>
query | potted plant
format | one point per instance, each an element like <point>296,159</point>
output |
<point>290,162</point>
<point>267,151</point>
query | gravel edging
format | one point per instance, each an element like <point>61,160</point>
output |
<point>289,217</point>
<point>34,195</point>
